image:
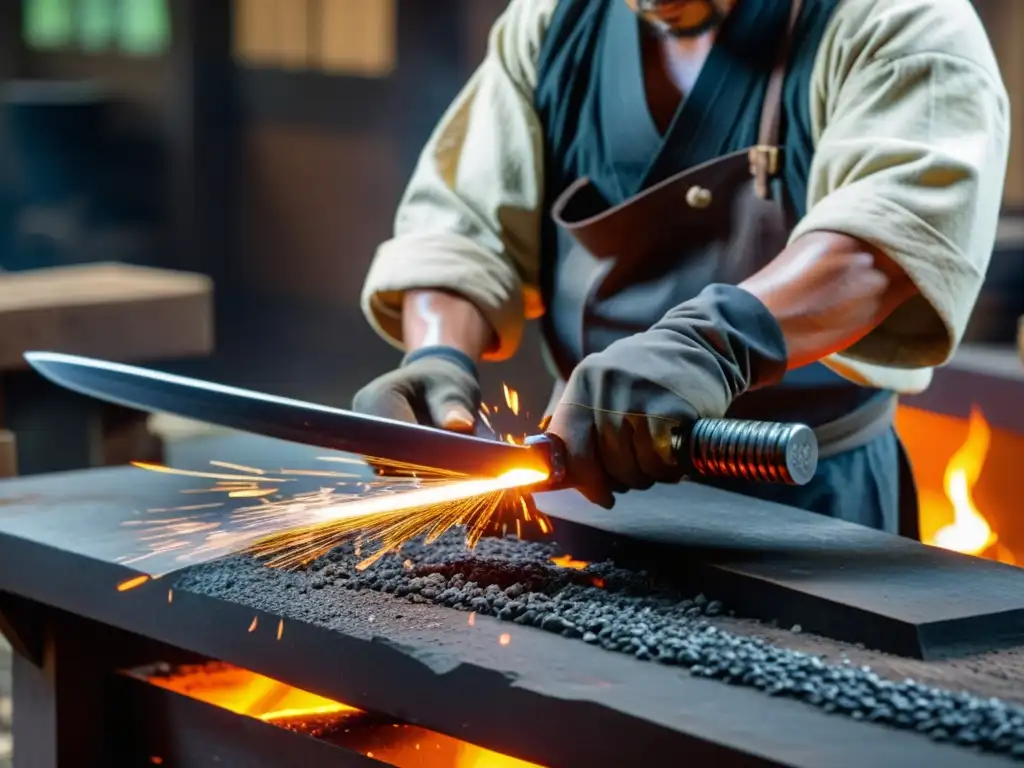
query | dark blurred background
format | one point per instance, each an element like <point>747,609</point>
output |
<point>265,143</point>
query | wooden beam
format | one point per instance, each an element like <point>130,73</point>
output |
<point>358,37</point>
<point>112,311</point>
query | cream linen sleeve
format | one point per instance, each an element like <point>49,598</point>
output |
<point>911,121</point>
<point>470,219</point>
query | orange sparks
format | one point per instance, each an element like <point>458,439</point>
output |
<point>511,399</point>
<point>313,473</point>
<point>156,760</point>
<point>437,495</point>
<point>132,583</point>
<point>207,475</point>
<point>390,743</point>
<point>387,504</point>
<point>505,639</point>
<point>253,493</point>
<point>255,622</point>
<point>526,509</point>
<point>239,467</point>
<point>280,629</point>
<point>389,520</point>
<point>472,619</point>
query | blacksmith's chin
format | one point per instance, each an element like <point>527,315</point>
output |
<point>683,18</point>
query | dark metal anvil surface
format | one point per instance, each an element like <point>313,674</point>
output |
<point>543,697</point>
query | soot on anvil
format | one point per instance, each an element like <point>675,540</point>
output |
<point>518,581</point>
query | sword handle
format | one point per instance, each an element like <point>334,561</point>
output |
<point>759,451</point>
<point>733,449</point>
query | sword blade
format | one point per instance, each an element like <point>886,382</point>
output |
<point>283,418</point>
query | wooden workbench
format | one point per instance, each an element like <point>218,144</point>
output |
<point>112,311</point>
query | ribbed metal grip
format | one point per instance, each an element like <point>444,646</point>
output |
<point>760,451</point>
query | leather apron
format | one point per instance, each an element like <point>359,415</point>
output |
<point>619,268</point>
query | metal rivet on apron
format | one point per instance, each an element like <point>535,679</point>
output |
<point>698,197</point>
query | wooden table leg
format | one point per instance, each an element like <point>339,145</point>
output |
<point>59,708</point>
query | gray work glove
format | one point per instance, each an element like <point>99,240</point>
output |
<point>435,386</point>
<point>621,406</point>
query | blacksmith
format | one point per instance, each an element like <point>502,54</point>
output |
<point>767,209</point>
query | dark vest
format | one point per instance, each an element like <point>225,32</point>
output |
<point>591,101</point>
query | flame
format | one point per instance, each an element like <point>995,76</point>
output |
<point>252,695</point>
<point>969,532</point>
<point>566,561</point>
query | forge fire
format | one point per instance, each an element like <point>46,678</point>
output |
<point>619,610</point>
<point>388,741</point>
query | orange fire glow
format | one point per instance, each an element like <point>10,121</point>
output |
<point>566,561</point>
<point>969,532</point>
<point>252,695</point>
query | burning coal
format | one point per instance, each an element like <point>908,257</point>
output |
<point>393,743</point>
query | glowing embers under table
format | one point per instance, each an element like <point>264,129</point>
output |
<point>333,724</point>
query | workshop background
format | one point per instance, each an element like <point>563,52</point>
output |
<point>262,146</point>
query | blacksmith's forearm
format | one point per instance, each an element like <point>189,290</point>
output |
<point>828,291</point>
<point>433,317</point>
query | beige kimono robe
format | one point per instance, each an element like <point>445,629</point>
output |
<point>911,129</point>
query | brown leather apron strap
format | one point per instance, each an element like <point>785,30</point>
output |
<point>764,158</point>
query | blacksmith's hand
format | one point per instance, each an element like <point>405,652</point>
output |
<point>436,386</point>
<point>621,405</point>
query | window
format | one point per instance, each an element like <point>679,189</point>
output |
<point>133,27</point>
<point>349,37</point>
